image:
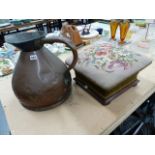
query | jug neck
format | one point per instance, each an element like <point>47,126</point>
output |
<point>30,46</point>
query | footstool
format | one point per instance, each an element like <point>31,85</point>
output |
<point>106,70</point>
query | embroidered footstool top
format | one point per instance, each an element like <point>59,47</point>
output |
<point>108,65</point>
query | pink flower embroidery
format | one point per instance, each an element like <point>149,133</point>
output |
<point>101,53</point>
<point>118,64</point>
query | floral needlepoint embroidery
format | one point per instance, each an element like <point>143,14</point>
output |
<point>107,57</point>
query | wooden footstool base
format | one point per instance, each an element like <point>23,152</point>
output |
<point>104,97</point>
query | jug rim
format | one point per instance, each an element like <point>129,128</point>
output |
<point>24,37</point>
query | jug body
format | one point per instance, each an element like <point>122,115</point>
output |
<point>40,80</point>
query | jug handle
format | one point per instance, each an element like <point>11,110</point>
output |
<point>68,43</point>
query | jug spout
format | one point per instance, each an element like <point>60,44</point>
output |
<point>26,41</point>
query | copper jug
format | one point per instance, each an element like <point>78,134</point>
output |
<point>40,79</point>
